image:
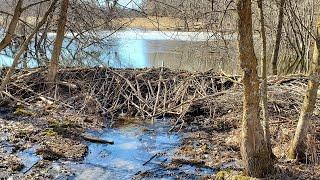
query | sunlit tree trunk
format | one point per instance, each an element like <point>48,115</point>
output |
<point>59,40</point>
<point>12,26</point>
<point>24,46</point>
<point>298,146</point>
<point>278,39</point>
<point>264,88</point>
<point>254,152</point>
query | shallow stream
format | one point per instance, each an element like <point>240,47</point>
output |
<point>141,150</point>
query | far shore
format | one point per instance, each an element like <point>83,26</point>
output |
<point>148,23</point>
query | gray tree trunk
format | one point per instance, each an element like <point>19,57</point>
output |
<point>278,39</point>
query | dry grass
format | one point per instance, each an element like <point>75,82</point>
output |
<point>157,23</point>
<point>145,23</point>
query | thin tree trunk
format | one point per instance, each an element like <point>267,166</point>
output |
<point>59,40</point>
<point>25,45</point>
<point>278,39</point>
<point>12,26</point>
<point>23,35</point>
<point>298,145</point>
<point>254,152</point>
<point>264,86</point>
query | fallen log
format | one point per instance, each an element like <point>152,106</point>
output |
<point>95,139</point>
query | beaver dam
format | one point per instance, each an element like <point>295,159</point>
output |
<point>98,123</point>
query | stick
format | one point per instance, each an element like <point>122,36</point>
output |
<point>152,157</point>
<point>16,99</point>
<point>96,140</point>
<point>26,171</point>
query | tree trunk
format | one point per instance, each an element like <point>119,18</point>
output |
<point>12,26</point>
<point>278,39</point>
<point>23,34</point>
<point>264,86</point>
<point>254,152</point>
<point>298,145</point>
<point>25,45</point>
<point>59,40</point>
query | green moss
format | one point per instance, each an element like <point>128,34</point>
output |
<point>221,175</point>
<point>240,177</point>
<point>59,126</point>
<point>49,132</point>
<point>20,111</point>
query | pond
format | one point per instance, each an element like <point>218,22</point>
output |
<point>193,51</point>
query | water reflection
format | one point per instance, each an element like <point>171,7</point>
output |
<point>134,145</point>
<point>192,56</point>
<point>127,53</point>
<point>193,51</point>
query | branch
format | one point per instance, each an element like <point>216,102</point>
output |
<point>33,4</point>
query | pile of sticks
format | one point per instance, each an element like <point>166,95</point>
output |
<point>147,93</point>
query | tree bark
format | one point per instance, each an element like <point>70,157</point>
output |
<point>59,40</point>
<point>278,39</point>
<point>24,45</point>
<point>298,145</point>
<point>255,155</point>
<point>12,26</point>
<point>23,34</point>
<point>264,86</point>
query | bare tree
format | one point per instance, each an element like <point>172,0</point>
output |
<point>23,47</point>
<point>59,40</point>
<point>298,146</point>
<point>12,26</point>
<point>264,86</point>
<point>278,39</point>
<point>254,151</point>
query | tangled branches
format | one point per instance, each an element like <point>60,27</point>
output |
<point>146,93</point>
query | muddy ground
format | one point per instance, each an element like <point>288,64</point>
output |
<point>210,139</point>
<point>210,143</point>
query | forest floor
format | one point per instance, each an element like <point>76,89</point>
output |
<point>56,131</point>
